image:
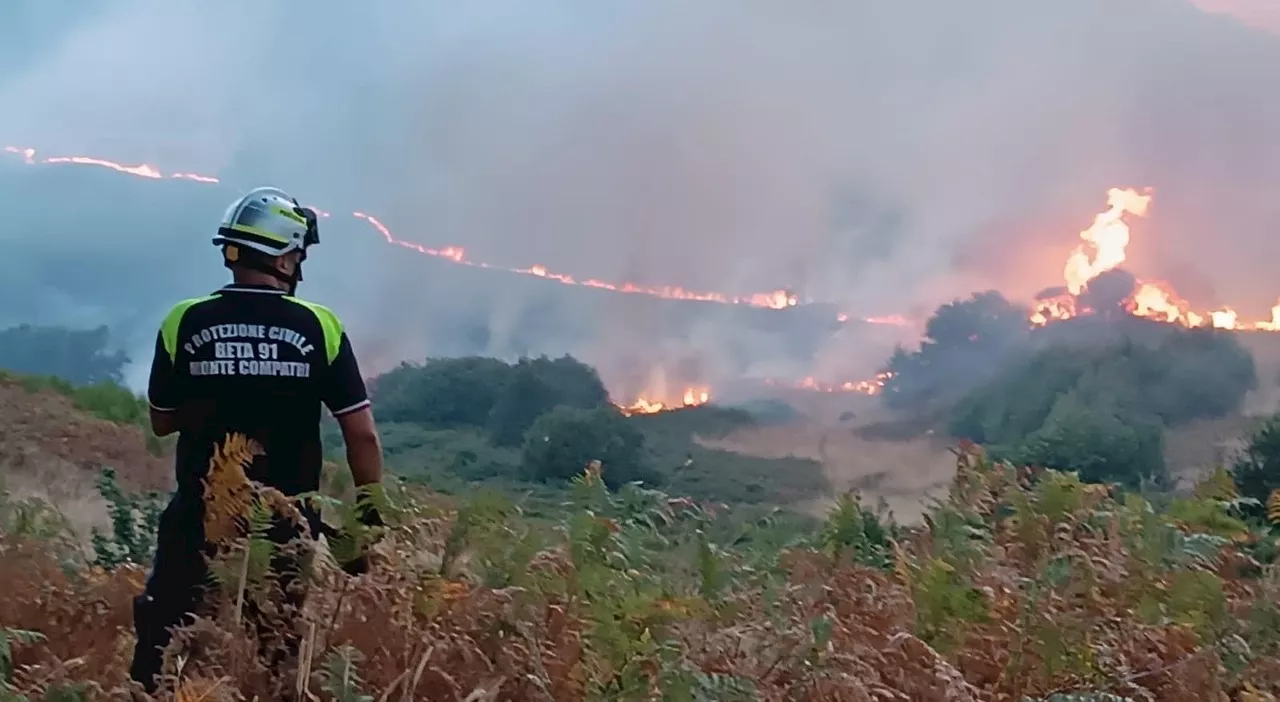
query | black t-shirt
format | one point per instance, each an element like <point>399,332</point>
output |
<point>253,360</point>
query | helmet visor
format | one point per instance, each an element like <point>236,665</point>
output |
<point>313,228</point>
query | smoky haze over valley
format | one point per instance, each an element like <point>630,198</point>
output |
<point>885,157</point>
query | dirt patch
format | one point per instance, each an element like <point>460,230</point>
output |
<point>41,429</point>
<point>901,472</point>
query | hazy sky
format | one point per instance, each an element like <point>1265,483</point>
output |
<point>886,156</point>
<point>1261,13</point>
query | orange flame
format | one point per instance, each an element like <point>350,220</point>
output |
<point>1104,249</point>
<point>1106,240</point>
<point>690,397</point>
<point>869,386</point>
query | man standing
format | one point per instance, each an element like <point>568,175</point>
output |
<point>249,359</point>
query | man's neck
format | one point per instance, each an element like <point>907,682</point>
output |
<point>259,280</point>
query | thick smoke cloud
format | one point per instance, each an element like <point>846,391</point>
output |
<point>883,156</point>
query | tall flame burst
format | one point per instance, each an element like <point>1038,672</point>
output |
<point>1102,249</point>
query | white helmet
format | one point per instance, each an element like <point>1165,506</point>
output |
<point>270,221</point>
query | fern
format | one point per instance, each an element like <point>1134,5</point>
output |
<point>8,639</point>
<point>1273,507</point>
<point>340,676</point>
<point>135,520</point>
<point>854,531</point>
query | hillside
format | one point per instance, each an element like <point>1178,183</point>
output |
<point>51,449</point>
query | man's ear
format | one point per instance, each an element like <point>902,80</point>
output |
<point>287,263</point>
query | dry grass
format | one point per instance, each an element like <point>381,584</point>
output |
<point>1018,587</point>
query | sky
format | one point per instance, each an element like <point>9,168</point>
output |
<point>1264,14</point>
<point>885,157</point>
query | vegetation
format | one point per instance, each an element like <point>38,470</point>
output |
<point>964,343</point>
<point>565,438</point>
<point>77,356</point>
<point>1092,395</point>
<point>485,393</point>
<point>450,424</point>
<point>107,400</point>
<point>1102,411</point>
<point>1256,468</point>
<point>1020,585</point>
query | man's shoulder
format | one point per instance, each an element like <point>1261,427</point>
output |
<point>173,320</point>
<point>328,318</point>
<point>174,316</point>
<point>180,307</point>
<point>330,325</point>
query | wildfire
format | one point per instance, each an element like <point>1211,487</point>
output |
<point>776,299</point>
<point>1103,249</point>
<point>691,397</point>
<point>869,386</point>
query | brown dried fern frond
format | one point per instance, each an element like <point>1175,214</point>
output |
<point>228,494</point>
<point>1273,507</point>
<point>205,690</point>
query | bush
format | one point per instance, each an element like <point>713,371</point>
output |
<point>1098,442</point>
<point>1198,374</point>
<point>486,393</point>
<point>1256,468</point>
<point>105,400</point>
<point>135,520</point>
<point>563,441</point>
<point>1102,410</point>
<point>964,343</point>
<point>1010,589</point>
<point>446,393</point>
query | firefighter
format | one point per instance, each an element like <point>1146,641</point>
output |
<point>250,358</point>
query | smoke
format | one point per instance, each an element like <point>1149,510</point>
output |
<point>885,157</point>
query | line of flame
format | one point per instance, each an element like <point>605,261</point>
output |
<point>776,299</point>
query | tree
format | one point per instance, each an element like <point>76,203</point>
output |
<point>1256,468</point>
<point>563,441</point>
<point>1200,373</point>
<point>78,356</point>
<point>965,342</point>
<point>985,320</point>
<point>486,393</point>
<point>446,393</point>
<point>536,386</point>
<point>1101,443</point>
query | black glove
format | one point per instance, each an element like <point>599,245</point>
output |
<point>358,566</point>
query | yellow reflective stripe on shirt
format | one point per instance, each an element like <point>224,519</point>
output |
<point>329,322</point>
<point>169,327</point>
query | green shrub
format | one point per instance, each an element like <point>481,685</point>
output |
<point>1102,410</point>
<point>563,441</point>
<point>105,400</point>
<point>1099,443</point>
<point>135,520</point>
<point>486,393</point>
<point>1256,467</point>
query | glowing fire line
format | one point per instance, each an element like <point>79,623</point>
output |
<point>777,299</point>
